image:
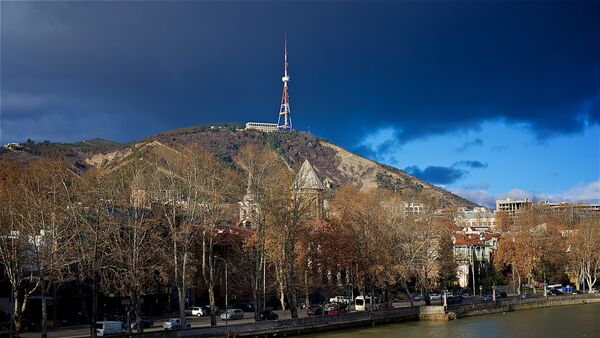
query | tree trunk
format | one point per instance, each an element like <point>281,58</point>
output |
<point>306,300</point>
<point>138,314</point>
<point>407,291</point>
<point>16,315</point>
<point>54,307</point>
<point>211,298</point>
<point>44,312</point>
<point>181,296</point>
<point>94,308</point>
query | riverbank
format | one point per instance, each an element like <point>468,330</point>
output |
<point>298,326</point>
<point>547,322</point>
<point>478,309</point>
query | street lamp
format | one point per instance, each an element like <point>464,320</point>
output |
<point>226,291</point>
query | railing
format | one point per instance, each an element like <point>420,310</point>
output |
<point>519,301</point>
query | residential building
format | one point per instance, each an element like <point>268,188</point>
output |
<point>478,220</point>
<point>471,250</point>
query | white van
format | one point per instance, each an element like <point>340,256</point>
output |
<point>107,328</point>
<point>362,303</point>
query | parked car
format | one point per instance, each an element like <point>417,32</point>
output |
<point>232,314</point>
<point>486,298</point>
<point>144,321</point>
<point>524,296</point>
<point>107,328</point>
<point>340,299</point>
<point>554,292</point>
<point>502,294</point>
<point>314,310</point>
<point>335,308</point>
<point>467,295</point>
<point>435,296</point>
<point>417,296</point>
<point>175,324</point>
<point>195,311</point>
<point>455,300</point>
<point>268,315</point>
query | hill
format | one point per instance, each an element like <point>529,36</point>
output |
<point>334,165</point>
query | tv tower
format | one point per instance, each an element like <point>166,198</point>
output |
<point>284,123</point>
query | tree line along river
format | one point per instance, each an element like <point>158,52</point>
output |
<point>550,322</point>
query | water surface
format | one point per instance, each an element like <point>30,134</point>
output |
<point>560,321</point>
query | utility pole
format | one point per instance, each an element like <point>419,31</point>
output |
<point>472,267</point>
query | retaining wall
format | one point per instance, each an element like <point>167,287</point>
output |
<point>467,310</point>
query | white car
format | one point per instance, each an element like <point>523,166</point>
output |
<point>435,296</point>
<point>196,311</point>
<point>232,314</point>
<point>175,324</point>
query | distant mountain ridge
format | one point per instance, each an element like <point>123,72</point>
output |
<point>334,165</point>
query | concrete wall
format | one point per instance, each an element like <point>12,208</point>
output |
<point>357,319</point>
<point>293,326</point>
<point>469,310</point>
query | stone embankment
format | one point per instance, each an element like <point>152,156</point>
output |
<point>507,305</point>
<point>290,327</point>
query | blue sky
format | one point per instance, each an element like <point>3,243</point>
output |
<point>487,99</point>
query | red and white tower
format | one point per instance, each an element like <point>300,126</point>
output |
<point>284,123</point>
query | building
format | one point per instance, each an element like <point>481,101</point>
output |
<point>262,126</point>
<point>511,207</point>
<point>413,208</point>
<point>310,187</point>
<point>478,220</point>
<point>470,251</point>
<point>573,208</point>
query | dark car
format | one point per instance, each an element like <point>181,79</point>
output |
<point>314,310</point>
<point>268,315</point>
<point>455,300</point>
<point>144,321</point>
<point>335,308</point>
<point>555,292</point>
<point>502,294</point>
<point>486,298</point>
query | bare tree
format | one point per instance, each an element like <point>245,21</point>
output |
<point>47,189</point>
<point>585,244</point>
<point>93,213</point>
<point>132,267</point>
<point>14,245</point>
<point>260,165</point>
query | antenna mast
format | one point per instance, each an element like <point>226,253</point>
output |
<point>284,122</point>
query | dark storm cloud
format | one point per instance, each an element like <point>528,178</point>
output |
<point>437,174</point>
<point>471,164</point>
<point>445,175</point>
<point>128,69</point>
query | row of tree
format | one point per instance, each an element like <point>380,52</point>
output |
<point>550,245</point>
<point>155,220</point>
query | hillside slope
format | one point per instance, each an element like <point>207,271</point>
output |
<point>334,165</point>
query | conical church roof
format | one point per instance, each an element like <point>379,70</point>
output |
<point>307,178</point>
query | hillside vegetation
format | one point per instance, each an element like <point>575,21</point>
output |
<point>333,164</point>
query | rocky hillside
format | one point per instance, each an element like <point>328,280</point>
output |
<point>334,165</point>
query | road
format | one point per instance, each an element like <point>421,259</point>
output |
<point>84,331</point>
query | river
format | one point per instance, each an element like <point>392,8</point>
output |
<point>560,321</point>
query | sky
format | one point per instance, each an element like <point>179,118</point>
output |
<point>486,99</point>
